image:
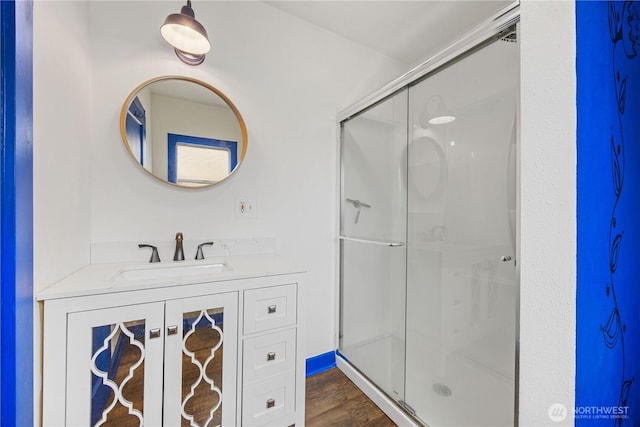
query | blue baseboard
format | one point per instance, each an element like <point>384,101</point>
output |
<point>321,363</point>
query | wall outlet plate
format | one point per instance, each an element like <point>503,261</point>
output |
<point>244,207</point>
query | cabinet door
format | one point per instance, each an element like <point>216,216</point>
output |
<point>114,366</point>
<point>200,361</point>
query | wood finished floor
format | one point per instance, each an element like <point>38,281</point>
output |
<point>333,400</point>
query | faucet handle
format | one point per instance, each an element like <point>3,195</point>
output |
<point>199,252</point>
<point>154,252</point>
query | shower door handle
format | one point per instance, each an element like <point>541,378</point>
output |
<point>375,242</point>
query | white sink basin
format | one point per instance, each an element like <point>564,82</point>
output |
<point>154,272</point>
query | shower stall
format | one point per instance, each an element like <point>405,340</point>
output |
<point>428,249</point>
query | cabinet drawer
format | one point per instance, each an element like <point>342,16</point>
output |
<point>268,355</point>
<point>269,402</point>
<point>269,308</point>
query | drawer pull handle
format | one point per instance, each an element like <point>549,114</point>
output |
<point>154,333</point>
<point>271,356</point>
<point>271,309</point>
<point>271,403</point>
<point>172,330</point>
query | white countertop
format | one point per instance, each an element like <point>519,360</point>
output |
<point>102,278</point>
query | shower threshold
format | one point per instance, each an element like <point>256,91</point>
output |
<point>389,406</point>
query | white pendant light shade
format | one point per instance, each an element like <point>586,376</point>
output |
<point>436,112</point>
<point>441,119</point>
<point>186,35</point>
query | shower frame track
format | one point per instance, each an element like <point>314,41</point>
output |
<point>474,38</point>
<point>486,32</point>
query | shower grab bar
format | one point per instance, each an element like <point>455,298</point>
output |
<point>375,242</point>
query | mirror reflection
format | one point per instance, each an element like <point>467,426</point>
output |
<point>183,131</point>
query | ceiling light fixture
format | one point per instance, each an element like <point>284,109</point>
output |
<point>187,36</point>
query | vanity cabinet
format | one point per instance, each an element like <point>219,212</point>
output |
<point>124,363</point>
<point>223,352</point>
<point>269,356</point>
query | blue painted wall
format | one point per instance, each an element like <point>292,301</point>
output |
<point>608,259</point>
<point>16,219</point>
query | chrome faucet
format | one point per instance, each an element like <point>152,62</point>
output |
<point>178,255</point>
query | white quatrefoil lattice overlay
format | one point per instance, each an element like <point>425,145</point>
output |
<point>202,368</point>
<point>117,388</point>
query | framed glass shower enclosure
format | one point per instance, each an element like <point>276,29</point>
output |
<point>428,275</point>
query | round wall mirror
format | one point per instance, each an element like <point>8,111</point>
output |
<point>183,131</point>
<point>428,172</point>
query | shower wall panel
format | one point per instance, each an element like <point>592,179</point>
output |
<point>373,159</point>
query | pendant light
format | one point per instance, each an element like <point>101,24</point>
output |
<point>436,112</point>
<point>187,36</point>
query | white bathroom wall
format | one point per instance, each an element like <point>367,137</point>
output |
<point>287,79</point>
<point>62,124</point>
<point>61,153</point>
<point>548,210</point>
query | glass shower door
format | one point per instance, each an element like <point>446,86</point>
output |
<point>461,276</point>
<point>372,243</point>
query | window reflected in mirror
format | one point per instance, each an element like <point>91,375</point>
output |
<point>183,131</point>
<point>200,161</point>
